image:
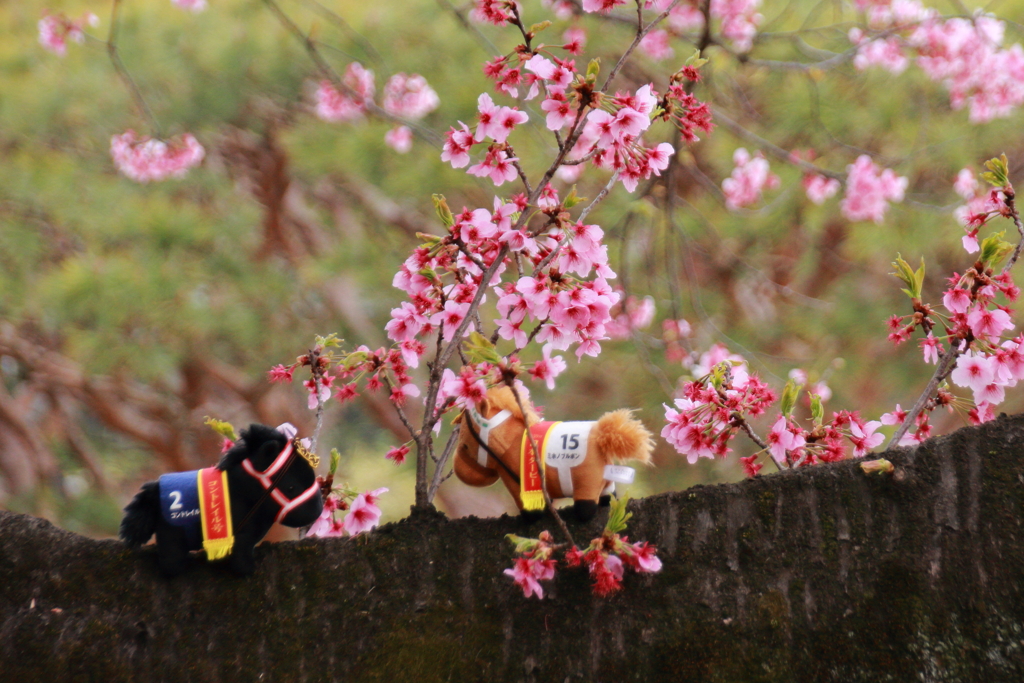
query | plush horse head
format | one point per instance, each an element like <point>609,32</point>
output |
<point>266,477</point>
<point>493,435</point>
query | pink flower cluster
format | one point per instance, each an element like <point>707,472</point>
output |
<point>739,19</point>
<point>406,96</point>
<point>556,305</point>
<point>701,423</point>
<point>869,189</point>
<point>964,54</point>
<point>967,57</point>
<point>409,96</point>
<point>606,559</point>
<point>334,105</point>
<point>632,314</point>
<point>144,159</point>
<point>55,30</point>
<point>608,556</point>
<point>750,177</point>
<point>363,515</point>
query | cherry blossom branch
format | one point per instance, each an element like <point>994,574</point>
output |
<point>398,408</point>
<point>439,477</point>
<point>328,71</point>
<point>641,31</point>
<point>774,149</point>
<point>950,355</point>
<point>122,71</point>
<point>540,468</point>
<point>340,22</point>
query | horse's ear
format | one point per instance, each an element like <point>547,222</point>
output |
<point>458,418</point>
<point>483,406</point>
<point>256,441</point>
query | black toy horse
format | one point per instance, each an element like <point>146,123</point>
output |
<point>266,477</point>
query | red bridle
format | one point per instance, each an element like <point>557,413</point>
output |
<point>265,478</point>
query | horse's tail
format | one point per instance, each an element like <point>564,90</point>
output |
<point>621,436</point>
<point>141,515</point>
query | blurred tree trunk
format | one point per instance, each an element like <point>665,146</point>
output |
<point>826,574</point>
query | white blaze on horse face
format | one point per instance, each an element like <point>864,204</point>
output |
<point>484,426</point>
<point>566,447</point>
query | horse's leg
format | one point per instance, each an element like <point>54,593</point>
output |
<point>242,560</point>
<point>585,510</point>
<point>171,549</point>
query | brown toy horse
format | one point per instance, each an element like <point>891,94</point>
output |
<point>577,452</point>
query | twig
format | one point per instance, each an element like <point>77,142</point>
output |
<point>122,71</point>
<point>449,447</point>
<point>600,195</point>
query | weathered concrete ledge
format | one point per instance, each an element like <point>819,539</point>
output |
<point>825,574</point>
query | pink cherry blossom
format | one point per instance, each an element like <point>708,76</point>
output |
<point>457,144</point>
<point>896,417</point>
<point>146,159</point>
<point>749,178</point>
<point>957,300</point>
<point>739,21</point>
<point>966,185</point>
<point>56,29</point>
<point>973,371</point>
<point>602,6</point>
<point>399,139</point>
<point>496,165</point>
<point>575,40</point>
<point>931,347</point>
<point>868,189</point>
<point>864,437</point>
<point>819,187</point>
<point>548,367</point>
<point>886,53</point>
<point>989,323</point>
<point>783,438</point>
<point>280,373</point>
<point>363,514</point>
<point>191,5</point>
<point>397,455</point>
<point>656,46</point>
<point>334,105</point>
<point>409,96</point>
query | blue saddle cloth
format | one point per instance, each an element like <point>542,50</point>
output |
<point>179,504</point>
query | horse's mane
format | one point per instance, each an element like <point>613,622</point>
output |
<point>502,398</point>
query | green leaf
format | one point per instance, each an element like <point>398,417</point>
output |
<point>817,410</point>
<point>328,341</point>
<point>914,280</point>
<point>537,28</point>
<point>789,395</point>
<point>617,516</point>
<point>225,429</point>
<point>998,172</point>
<point>443,212</point>
<point>695,60</point>
<point>572,199</point>
<point>523,545</point>
<point>593,68</point>
<point>335,459</point>
<point>479,349</point>
<point>994,249</point>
